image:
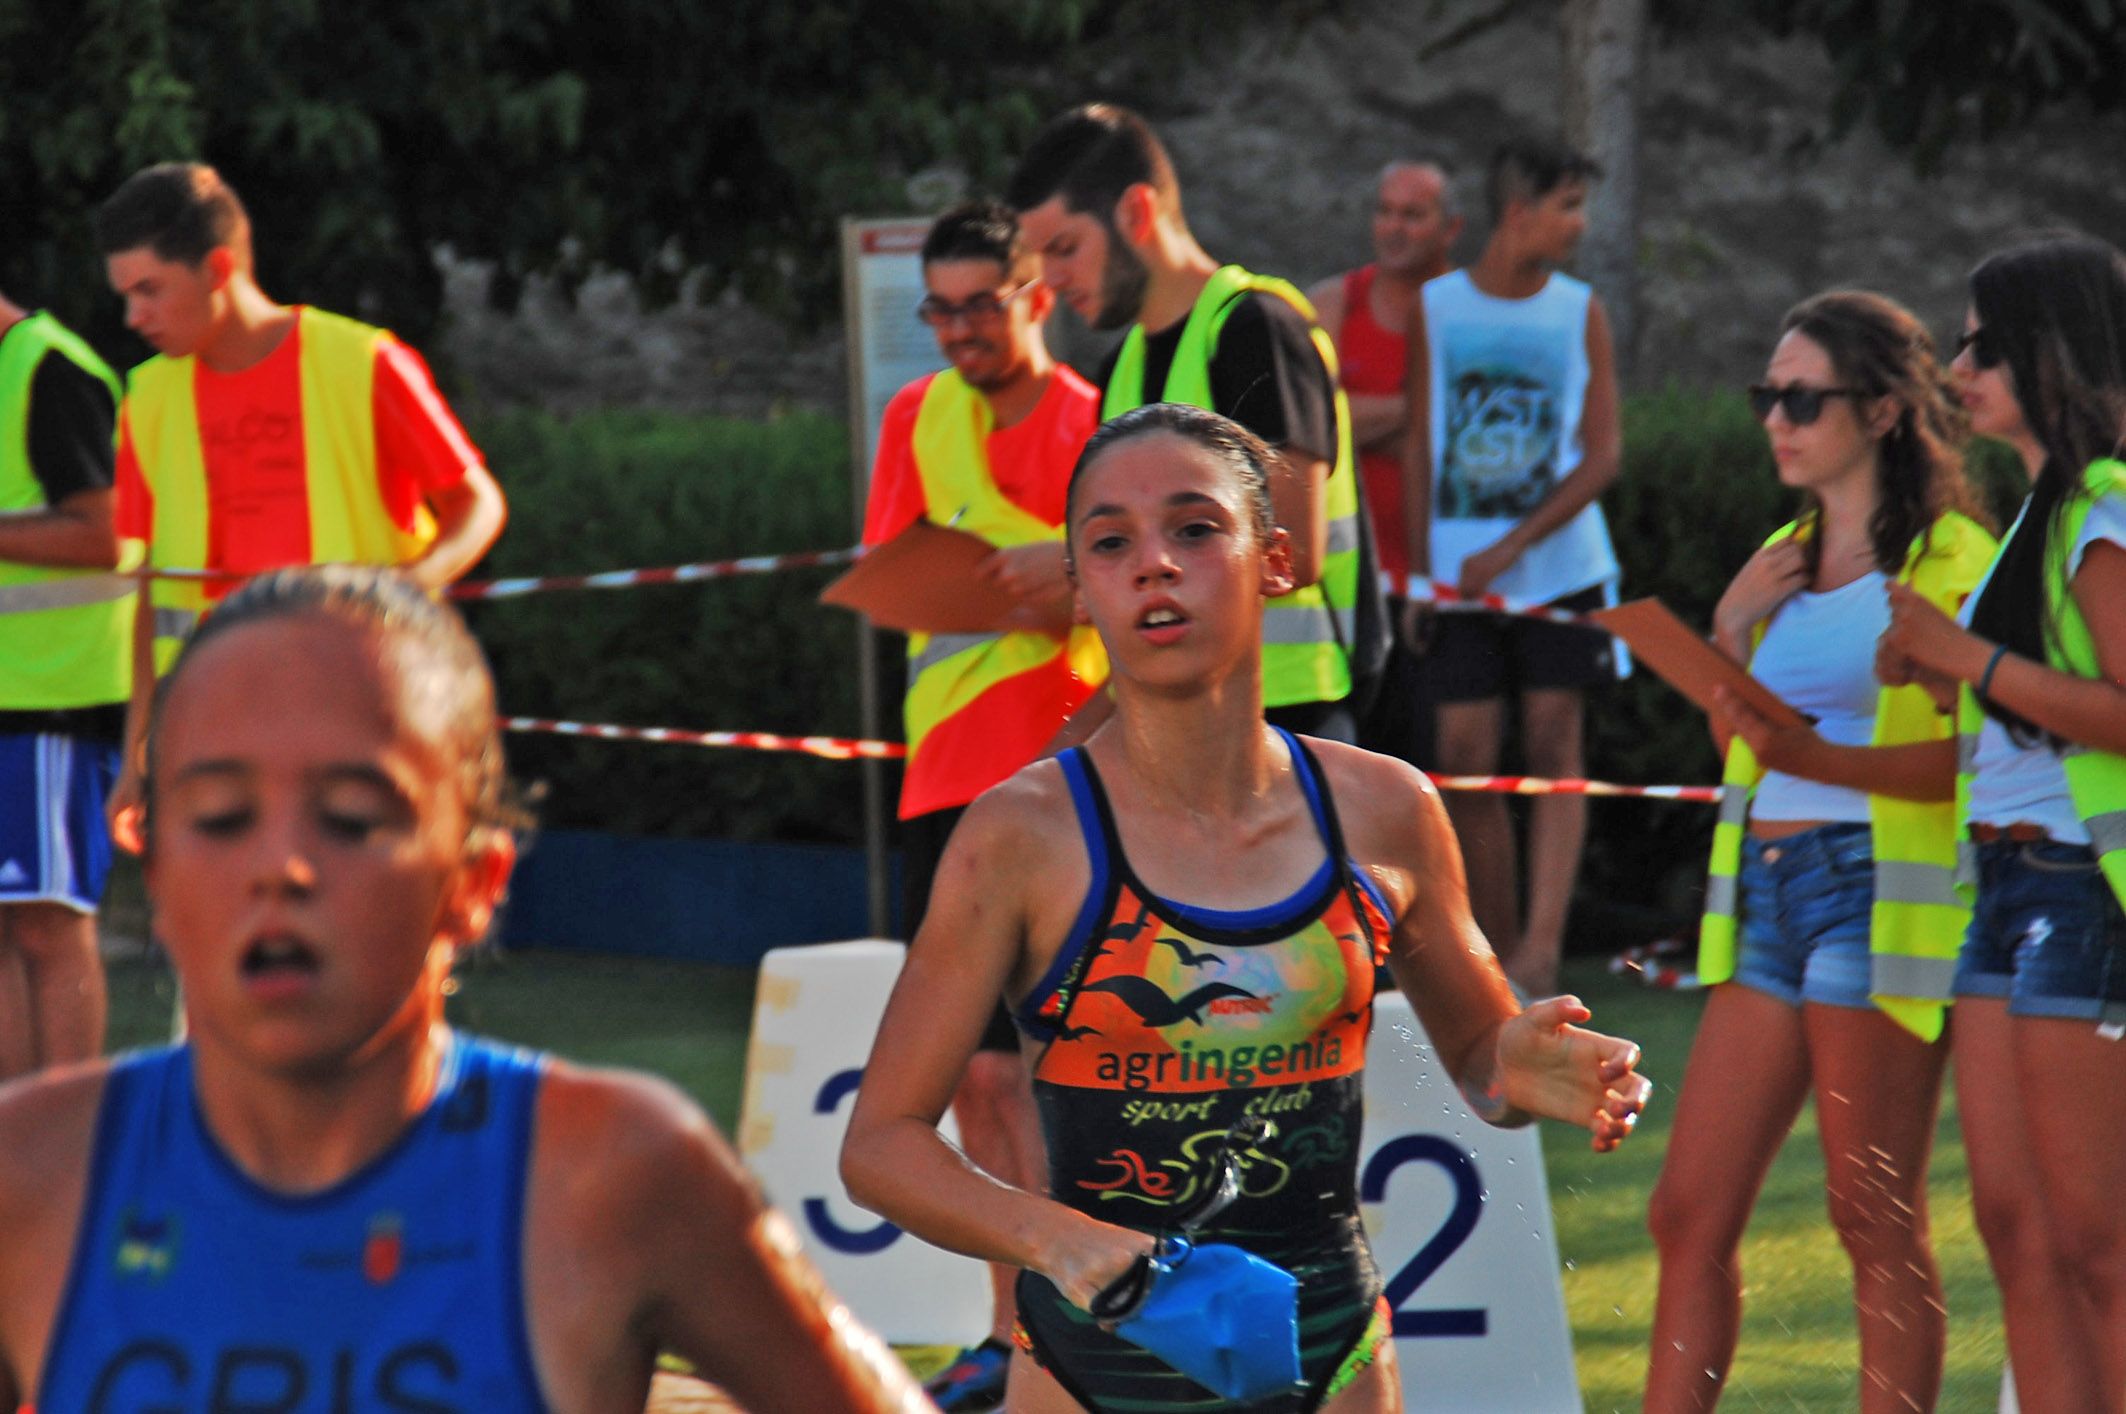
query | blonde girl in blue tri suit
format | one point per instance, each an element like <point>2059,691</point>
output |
<point>326,1197</point>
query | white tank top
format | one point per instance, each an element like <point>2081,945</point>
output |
<point>1508,385</point>
<point>1818,656</point>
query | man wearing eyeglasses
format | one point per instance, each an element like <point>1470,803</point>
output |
<point>1513,435</point>
<point>986,447</point>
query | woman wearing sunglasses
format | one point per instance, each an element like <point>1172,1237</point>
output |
<point>2035,675</point>
<point>1831,926</point>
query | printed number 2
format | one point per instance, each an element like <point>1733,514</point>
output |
<point>857,1242</point>
<point>1452,1233</point>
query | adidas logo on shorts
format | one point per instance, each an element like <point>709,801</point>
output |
<point>12,873</point>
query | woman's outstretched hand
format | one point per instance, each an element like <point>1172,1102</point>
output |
<point>1549,1067</point>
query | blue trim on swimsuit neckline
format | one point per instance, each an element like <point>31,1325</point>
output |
<point>1270,915</point>
<point>1245,920</point>
<point>1028,1012</point>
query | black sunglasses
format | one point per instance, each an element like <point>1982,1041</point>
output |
<point>1984,352</point>
<point>1801,405</point>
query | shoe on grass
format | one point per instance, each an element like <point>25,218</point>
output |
<point>974,1380</point>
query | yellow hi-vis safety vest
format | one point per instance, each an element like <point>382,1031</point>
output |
<point>65,634</point>
<point>948,671</point>
<point>2096,780</point>
<point>348,521</point>
<point>1304,633</point>
<point>1917,921</point>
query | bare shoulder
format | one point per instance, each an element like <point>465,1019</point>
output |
<point>47,1128</point>
<point>608,1138</point>
<point>1394,824</point>
<point>1028,810</point>
<point>626,1174</point>
<point>1374,792</point>
<point>644,1233</point>
<point>47,1133</point>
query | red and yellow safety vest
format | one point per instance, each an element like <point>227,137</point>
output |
<point>949,673</point>
<point>349,523</point>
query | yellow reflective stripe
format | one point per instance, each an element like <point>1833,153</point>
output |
<point>174,622</point>
<point>1734,806</point>
<point>2107,830</point>
<point>1298,624</point>
<point>1343,535</point>
<point>1905,882</point>
<point>950,684</point>
<point>1901,975</point>
<point>71,593</point>
<point>927,650</point>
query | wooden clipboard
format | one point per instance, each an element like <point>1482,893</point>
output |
<point>1687,662</point>
<point>927,579</point>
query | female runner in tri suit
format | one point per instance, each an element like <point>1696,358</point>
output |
<point>326,1198</point>
<point>2036,673</point>
<point>1838,840</point>
<point>1188,913</point>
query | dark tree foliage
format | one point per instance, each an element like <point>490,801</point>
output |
<point>546,136</point>
<point>1932,73</point>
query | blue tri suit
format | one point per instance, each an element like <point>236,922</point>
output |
<point>400,1288</point>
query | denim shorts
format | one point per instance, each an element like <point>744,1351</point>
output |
<point>1805,904</point>
<point>2047,933</point>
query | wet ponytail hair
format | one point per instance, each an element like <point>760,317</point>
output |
<point>1878,346</point>
<point>439,669</point>
<point>1240,451</point>
<point>2055,308</point>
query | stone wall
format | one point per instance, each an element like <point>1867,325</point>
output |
<point>1745,209</point>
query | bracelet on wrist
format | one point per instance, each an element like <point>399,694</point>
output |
<point>1985,679</point>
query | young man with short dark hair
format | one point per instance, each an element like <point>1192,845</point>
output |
<point>1514,434</point>
<point>1098,199</point>
<point>264,435</point>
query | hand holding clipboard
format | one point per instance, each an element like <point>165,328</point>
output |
<point>1688,663</point>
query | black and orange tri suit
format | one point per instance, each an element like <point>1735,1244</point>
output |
<point>1165,1024</point>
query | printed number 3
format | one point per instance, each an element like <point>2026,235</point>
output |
<point>857,1241</point>
<point>1453,1231</point>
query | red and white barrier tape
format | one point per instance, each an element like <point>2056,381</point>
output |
<point>833,748</point>
<point>837,748</point>
<point>610,579</point>
<point>1448,599</point>
<point>676,574</point>
<point>1537,785</point>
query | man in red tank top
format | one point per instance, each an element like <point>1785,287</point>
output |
<point>1367,312</point>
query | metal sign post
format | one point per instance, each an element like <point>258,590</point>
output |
<point>882,281</point>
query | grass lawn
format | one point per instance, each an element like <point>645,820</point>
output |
<point>688,1022</point>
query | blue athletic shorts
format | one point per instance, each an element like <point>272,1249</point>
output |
<point>2047,933</point>
<point>1805,904</point>
<point>55,846</point>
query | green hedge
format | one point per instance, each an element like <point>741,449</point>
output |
<point>618,490</point>
<point>622,489</point>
